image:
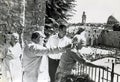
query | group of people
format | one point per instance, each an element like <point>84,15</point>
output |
<point>36,62</point>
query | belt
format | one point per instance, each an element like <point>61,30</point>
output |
<point>54,59</point>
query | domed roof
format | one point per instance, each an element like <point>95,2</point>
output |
<point>112,20</point>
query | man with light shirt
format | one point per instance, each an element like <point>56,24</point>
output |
<point>32,58</point>
<point>59,40</point>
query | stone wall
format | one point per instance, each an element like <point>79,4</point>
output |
<point>104,37</point>
<point>110,38</point>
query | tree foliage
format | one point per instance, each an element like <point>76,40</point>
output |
<point>58,11</point>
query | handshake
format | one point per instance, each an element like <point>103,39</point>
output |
<point>69,46</point>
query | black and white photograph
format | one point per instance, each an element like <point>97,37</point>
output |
<point>59,41</point>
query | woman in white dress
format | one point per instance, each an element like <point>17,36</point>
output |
<point>15,63</point>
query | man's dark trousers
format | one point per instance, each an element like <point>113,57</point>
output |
<point>53,64</point>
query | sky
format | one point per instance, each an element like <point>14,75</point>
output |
<point>97,11</point>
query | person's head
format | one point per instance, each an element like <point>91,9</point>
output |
<point>14,38</point>
<point>62,31</point>
<point>38,37</point>
<point>76,43</point>
<point>80,31</point>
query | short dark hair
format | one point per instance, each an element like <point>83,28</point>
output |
<point>80,30</point>
<point>34,35</point>
<point>62,26</point>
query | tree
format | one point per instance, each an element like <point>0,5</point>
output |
<point>58,12</point>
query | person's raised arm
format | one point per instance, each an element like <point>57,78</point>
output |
<point>40,52</point>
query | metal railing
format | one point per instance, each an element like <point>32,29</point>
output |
<point>98,74</point>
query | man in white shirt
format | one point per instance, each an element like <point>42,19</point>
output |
<point>59,40</point>
<point>32,57</point>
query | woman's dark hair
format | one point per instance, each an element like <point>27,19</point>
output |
<point>34,35</point>
<point>80,30</point>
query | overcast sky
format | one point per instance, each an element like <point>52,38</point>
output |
<point>97,11</point>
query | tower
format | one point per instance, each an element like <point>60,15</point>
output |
<point>83,18</point>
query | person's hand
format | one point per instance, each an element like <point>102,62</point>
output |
<point>105,67</point>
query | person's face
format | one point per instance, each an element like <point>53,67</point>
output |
<point>62,32</point>
<point>79,45</point>
<point>37,40</point>
<point>14,40</point>
<point>41,40</point>
<point>76,43</point>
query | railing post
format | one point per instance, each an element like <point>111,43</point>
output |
<point>86,69</point>
<point>112,73</point>
<point>117,78</point>
<point>92,73</point>
<point>89,71</point>
<point>99,76</point>
<point>83,69</point>
<point>103,76</point>
<point>107,74</point>
<point>95,74</point>
<point>78,68</point>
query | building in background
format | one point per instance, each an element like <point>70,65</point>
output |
<point>113,23</point>
<point>83,18</point>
